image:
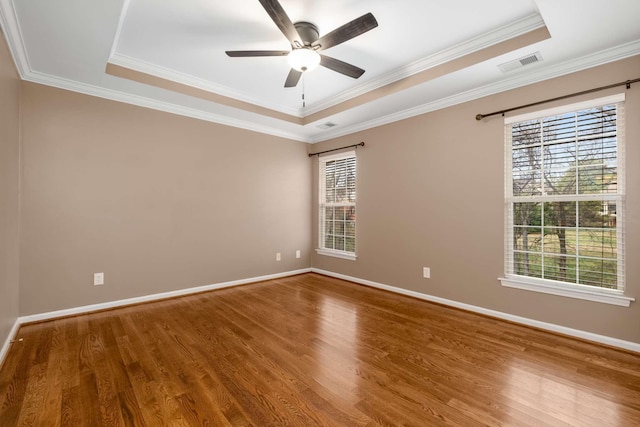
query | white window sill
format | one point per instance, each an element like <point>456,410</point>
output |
<point>337,254</point>
<point>572,291</point>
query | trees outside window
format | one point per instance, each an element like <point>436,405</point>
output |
<point>563,197</point>
<point>337,216</point>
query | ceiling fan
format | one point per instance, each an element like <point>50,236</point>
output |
<point>306,43</point>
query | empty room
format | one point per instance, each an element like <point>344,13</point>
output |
<point>319,213</point>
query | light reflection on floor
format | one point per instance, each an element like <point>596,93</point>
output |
<point>336,351</point>
<point>546,394</point>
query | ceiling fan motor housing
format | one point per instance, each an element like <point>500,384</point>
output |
<point>307,31</point>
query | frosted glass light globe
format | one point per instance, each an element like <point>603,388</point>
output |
<point>303,59</point>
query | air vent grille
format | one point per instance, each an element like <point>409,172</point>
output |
<point>327,125</point>
<point>520,62</point>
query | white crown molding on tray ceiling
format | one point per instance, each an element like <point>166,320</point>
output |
<point>12,31</point>
<point>567,67</point>
<point>154,104</point>
<point>583,63</point>
<point>189,80</point>
<point>507,32</point>
<point>13,34</point>
<point>454,62</point>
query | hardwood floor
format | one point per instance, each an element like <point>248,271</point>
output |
<point>309,350</point>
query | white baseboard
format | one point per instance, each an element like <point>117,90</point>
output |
<point>129,301</point>
<point>7,342</point>
<point>602,339</point>
<point>153,297</point>
<point>614,342</point>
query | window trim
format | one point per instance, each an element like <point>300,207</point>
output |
<point>607,296</point>
<point>352,256</point>
<point>337,254</point>
<point>548,286</point>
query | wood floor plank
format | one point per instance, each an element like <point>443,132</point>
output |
<point>309,350</point>
<point>50,412</point>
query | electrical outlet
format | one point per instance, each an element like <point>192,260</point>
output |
<point>426,272</point>
<point>98,279</point>
<point>278,257</point>
<point>298,253</point>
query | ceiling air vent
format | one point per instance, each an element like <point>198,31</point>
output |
<point>327,125</point>
<point>520,62</point>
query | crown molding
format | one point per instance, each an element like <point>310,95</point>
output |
<point>509,31</point>
<point>567,67</point>
<point>121,19</point>
<point>617,53</point>
<point>179,77</point>
<point>153,104</point>
<point>11,28</point>
<point>514,29</point>
<point>198,83</point>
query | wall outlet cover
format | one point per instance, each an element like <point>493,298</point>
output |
<point>98,279</point>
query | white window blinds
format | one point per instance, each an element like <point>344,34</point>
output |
<point>564,196</point>
<point>337,216</point>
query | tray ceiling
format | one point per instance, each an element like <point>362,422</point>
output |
<point>423,56</point>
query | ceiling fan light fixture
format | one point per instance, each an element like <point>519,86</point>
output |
<point>306,42</point>
<point>303,59</point>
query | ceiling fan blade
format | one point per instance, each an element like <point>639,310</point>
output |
<point>245,53</point>
<point>347,31</point>
<point>293,78</point>
<point>341,67</point>
<point>281,19</point>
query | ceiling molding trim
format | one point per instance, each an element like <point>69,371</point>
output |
<point>176,87</point>
<point>589,61</point>
<point>182,78</point>
<point>623,51</point>
<point>186,79</point>
<point>507,32</point>
<point>116,37</point>
<point>13,35</point>
<point>140,101</point>
<point>451,67</point>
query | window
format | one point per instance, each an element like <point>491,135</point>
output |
<point>564,201</point>
<point>337,216</point>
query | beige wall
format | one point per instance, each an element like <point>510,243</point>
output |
<point>160,202</point>
<point>430,193</point>
<point>156,201</point>
<point>9,187</point>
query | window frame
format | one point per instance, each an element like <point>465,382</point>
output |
<point>557,287</point>
<point>322,204</point>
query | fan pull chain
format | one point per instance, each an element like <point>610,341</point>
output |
<point>304,105</point>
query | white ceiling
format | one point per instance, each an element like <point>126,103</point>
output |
<point>68,44</point>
